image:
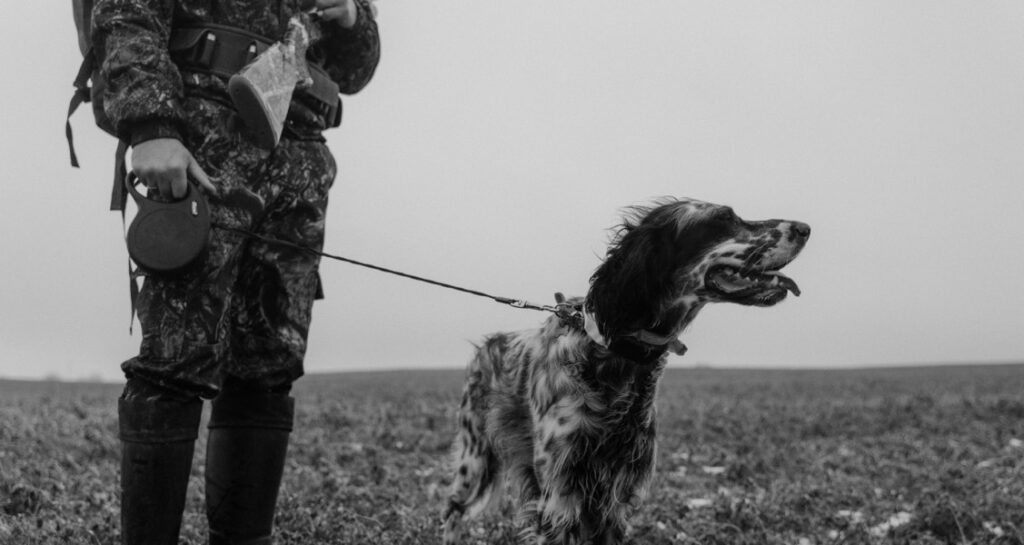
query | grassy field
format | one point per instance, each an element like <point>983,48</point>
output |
<point>926,455</point>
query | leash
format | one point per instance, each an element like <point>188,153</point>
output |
<point>515,303</point>
<point>642,347</point>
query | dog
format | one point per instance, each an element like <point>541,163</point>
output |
<point>564,415</point>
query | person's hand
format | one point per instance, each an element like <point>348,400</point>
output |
<point>165,164</point>
<point>342,12</point>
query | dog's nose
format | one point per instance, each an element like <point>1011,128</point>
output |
<point>802,229</point>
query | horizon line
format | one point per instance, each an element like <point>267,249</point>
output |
<point>700,366</point>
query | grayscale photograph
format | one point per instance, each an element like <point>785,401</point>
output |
<point>398,272</point>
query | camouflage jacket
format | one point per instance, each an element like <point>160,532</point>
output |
<point>145,88</point>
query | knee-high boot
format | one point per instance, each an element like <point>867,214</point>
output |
<point>157,439</point>
<point>245,457</point>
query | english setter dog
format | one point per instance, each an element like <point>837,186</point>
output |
<point>564,414</point>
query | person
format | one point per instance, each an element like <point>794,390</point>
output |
<point>232,329</point>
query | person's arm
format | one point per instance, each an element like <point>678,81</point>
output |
<point>144,90</point>
<point>143,94</point>
<point>350,48</point>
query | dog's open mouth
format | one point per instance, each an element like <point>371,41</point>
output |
<point>761,288</point>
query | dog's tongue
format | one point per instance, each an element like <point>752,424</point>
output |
<point>787,283</point>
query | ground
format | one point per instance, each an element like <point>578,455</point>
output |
<point>902,456</point>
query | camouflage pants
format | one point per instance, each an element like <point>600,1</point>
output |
<point>245,311</point>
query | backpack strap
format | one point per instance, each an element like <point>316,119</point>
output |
<point>82,94</point>
<point>119,191</point>
<point>118,202</point>
<point>133,291</point>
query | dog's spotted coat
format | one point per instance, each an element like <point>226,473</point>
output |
<point>566,419</point>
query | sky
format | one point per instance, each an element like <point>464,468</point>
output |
<point>499,142</point>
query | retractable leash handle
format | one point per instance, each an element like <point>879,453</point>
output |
<point>166,238</point>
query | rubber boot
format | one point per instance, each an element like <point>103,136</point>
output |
<point>157,440</point>
<point>245,456</point>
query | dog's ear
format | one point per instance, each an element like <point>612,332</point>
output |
<point>627,291</point>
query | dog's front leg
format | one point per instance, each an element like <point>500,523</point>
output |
<point>556,521</point>
<point>558,509</point>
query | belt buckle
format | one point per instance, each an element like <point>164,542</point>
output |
<point>207,47</point>
<point>250,53</point>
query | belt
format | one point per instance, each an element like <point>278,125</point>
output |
<point>223,51</point>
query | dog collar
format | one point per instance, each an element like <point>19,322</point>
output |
<point>642,345</point>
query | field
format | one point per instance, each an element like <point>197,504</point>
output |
<point>923,456</point>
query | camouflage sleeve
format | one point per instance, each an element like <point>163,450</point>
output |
<point>144,89</point>
<point>350,56</point>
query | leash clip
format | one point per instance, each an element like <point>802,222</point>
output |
<point>571,315</point>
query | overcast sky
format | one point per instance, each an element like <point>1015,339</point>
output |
<point>499,141</point>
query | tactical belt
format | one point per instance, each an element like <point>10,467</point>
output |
<point>223,51</point>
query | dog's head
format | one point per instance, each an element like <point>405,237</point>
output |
<point>668,260</point>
